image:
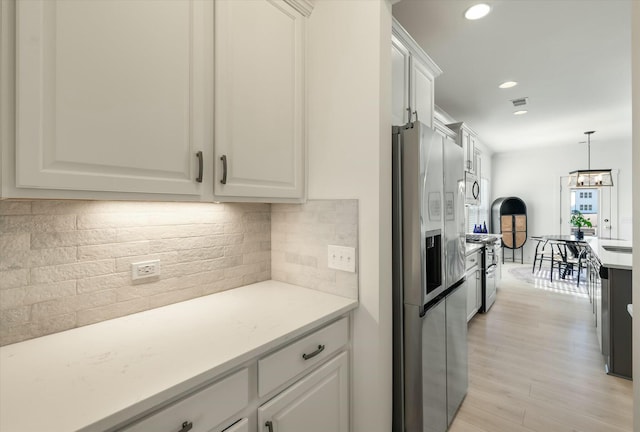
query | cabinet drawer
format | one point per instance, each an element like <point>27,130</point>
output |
<point>472,261</point>
<point>205,409</point>
<point>241,426</point>
<point>288,362</point>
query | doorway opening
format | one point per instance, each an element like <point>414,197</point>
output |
<point>600,205</point>
<point>586,202</point>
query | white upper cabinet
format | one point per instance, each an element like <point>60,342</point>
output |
<point>400,81</point>
<point>422,94</point>
<point>196,100</point>
<point>114,96</point>
<point>468,139</point>
<point>259,99</point>
<point>413,79</point>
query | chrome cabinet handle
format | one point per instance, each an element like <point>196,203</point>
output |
<point>199,156</point>
<point>269,426</point>
<point>416,114</point>
<point>313,354</point>
<point>186,426</point>
<point>224,169</point>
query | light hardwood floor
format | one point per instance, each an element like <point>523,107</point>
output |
<point>535,365</point>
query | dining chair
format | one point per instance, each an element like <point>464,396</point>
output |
<point>570,258</point>
<point>542,253</point>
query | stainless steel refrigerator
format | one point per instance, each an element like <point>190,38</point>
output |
<point>429,294</point>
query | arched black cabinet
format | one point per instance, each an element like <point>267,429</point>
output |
<point>509,218</point>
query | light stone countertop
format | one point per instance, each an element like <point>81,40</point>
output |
<point>472,247</point>
<point>609,259</point>
<point>95,377</point>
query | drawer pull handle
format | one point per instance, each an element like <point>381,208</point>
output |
<point>269,426</point>
<point>200,167</point>
<point>186,426</point>
<point>223,158</point>
<point>313,354</point>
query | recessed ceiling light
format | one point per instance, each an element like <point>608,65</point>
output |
<point>477,11</point>
<point>508,84</point>
<point>520,112</point>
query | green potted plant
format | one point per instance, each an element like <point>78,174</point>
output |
<point>578,220</point>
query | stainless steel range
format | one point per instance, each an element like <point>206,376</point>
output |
<point>491,266</point>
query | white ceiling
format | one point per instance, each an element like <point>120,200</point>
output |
<point>571,58</point>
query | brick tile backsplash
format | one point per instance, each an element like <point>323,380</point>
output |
<point>300,236</point>
<point>65,264</point>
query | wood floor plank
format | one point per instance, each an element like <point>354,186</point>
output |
<point>535,365</point>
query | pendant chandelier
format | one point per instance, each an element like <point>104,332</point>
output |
<point>590,178</point>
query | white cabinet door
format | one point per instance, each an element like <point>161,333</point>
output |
<point>477,162</point>
<point>413,77</point>
<point>422,96</point>
<point>479,278</point>
<point>474,295</point>
<point>470,286</point>
<point>259,99</point>
<point>317,403</point>
<point>474,154</point>
<point>400,82</point>
<point>114,96</point>
<point>468,149</point>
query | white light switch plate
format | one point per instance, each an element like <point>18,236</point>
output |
<point>342,258</point>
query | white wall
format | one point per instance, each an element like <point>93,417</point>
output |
<point>635,65</point>
<point>349,124</point>
<point>533,175</point>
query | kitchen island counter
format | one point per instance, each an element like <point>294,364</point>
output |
<point>96,377</point>
<point>610,258</point>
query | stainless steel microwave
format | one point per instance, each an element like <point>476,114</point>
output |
<point>472,189</point>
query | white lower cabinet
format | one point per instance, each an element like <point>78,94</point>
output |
<point>317,403</point>
<point>471,296</point>
<point>241,426</point>
<point>300,386</point>
<point>473,284</point>
<point>202,411</point>
<point>478,289</point>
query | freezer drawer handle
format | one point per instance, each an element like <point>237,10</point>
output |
<point>313,354</point>
<point>199,156</point>
<point>186,426</point>
<point>224,169</point>
<point>269,425</point>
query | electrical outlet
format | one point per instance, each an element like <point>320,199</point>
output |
<point>145,269</point>
<point>342,258</point>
